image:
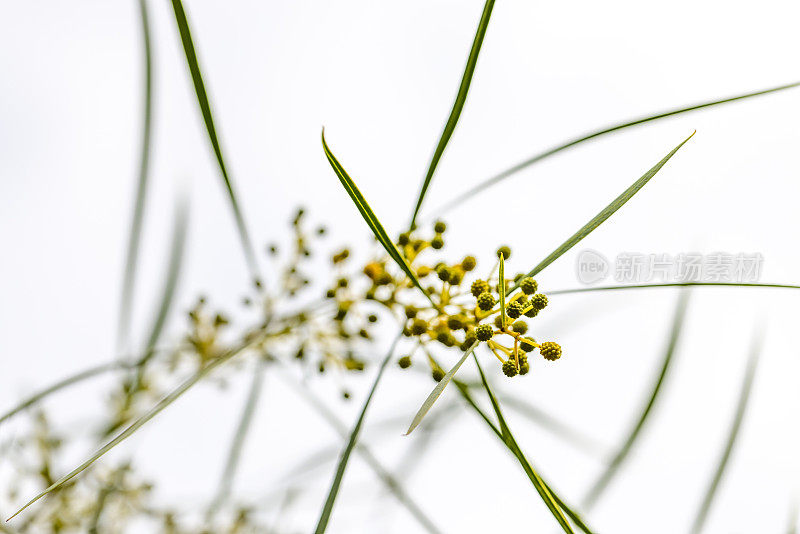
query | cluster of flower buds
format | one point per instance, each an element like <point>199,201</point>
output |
<point>458,314</point>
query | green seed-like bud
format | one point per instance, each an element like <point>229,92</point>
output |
<point>470,337</point>
<point>456,276</point>
<point>485,301</point>
<point>437,374</point>
<point>372,318</point>
<point>411,312</point>
<point>330,294</point>
<point>437,242</point>
<point>469,263</point>
<point>404,362</point>
<point>519,327</point>
<point>419,327</point>
<point>514,310</point>
<point>533,312</point>
<point>539,301</point>
<point>439,227</point>
<point>478,287</point>
<point>505,251</point>
<point>455,322</point>
<point>484,332</point>
<point>527,344</point>
<point>443,273</point>
<point>498,322</point>
<point>404,239</point>
<point>528,285</point>
<point>550,350</point>
<point>509,368</point>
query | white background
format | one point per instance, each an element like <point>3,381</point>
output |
<point>381,78</point>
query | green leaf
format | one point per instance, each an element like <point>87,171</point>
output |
<point>64,383</point>
<point>672,284</point>
<point>607,212</point>
<point>438,389</point>
<point>501,288</point>
<point>622,453</point>
<point>371,219</point>
<point>177,248</point>
<point>327,509</point>
<point>458,105</point>
<point>598,133</point>
<point>208,119</point>
<point>390,482</point>
<point>136,425</point>
<point>239,437</point>
<point>508,439</point>
<point>134,238</point>
<point>741,408</point>
<point>464,390</point>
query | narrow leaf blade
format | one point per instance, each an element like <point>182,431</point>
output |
<point>607,212</point>
<point>327,508</point>
<point>208,118</point>
<point>511,443</point>
<point>438,389</point>
<point>134,237</point>
<point>571,143</point>
<point>370,218</point>
<point>458,105</point>
<point>733,434</point>
<point>627,444</point>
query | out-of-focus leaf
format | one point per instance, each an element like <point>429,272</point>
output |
<point>722,463</point>
<point>460,199</point>
<point>622,453</point>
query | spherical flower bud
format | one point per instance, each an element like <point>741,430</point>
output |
<point>419,327</point>
<point>539,301</point>
<point>437,242</point>
<point>404,362</point>
<point>484,332</point>
<point>404,239</point>
<point>504,251</point>
<point>485,301</point>
<point>509,368</point>
<point>514,310</point>
<point>533,312</point>
<point>527,344</point>
<point>437,374</point>
<point>468,263</point>
<point>443,273</point>
<point>455,322</point>
<point>550,350</point>
<point>439,227</point>
<point>520,327</point>
<point>528,285</point>
<point>470,337</point>
<point>478,287</point>
<point>456,276</point>
<point>498,322</point>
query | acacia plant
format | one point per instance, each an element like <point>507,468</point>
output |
<point>444,313</point>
